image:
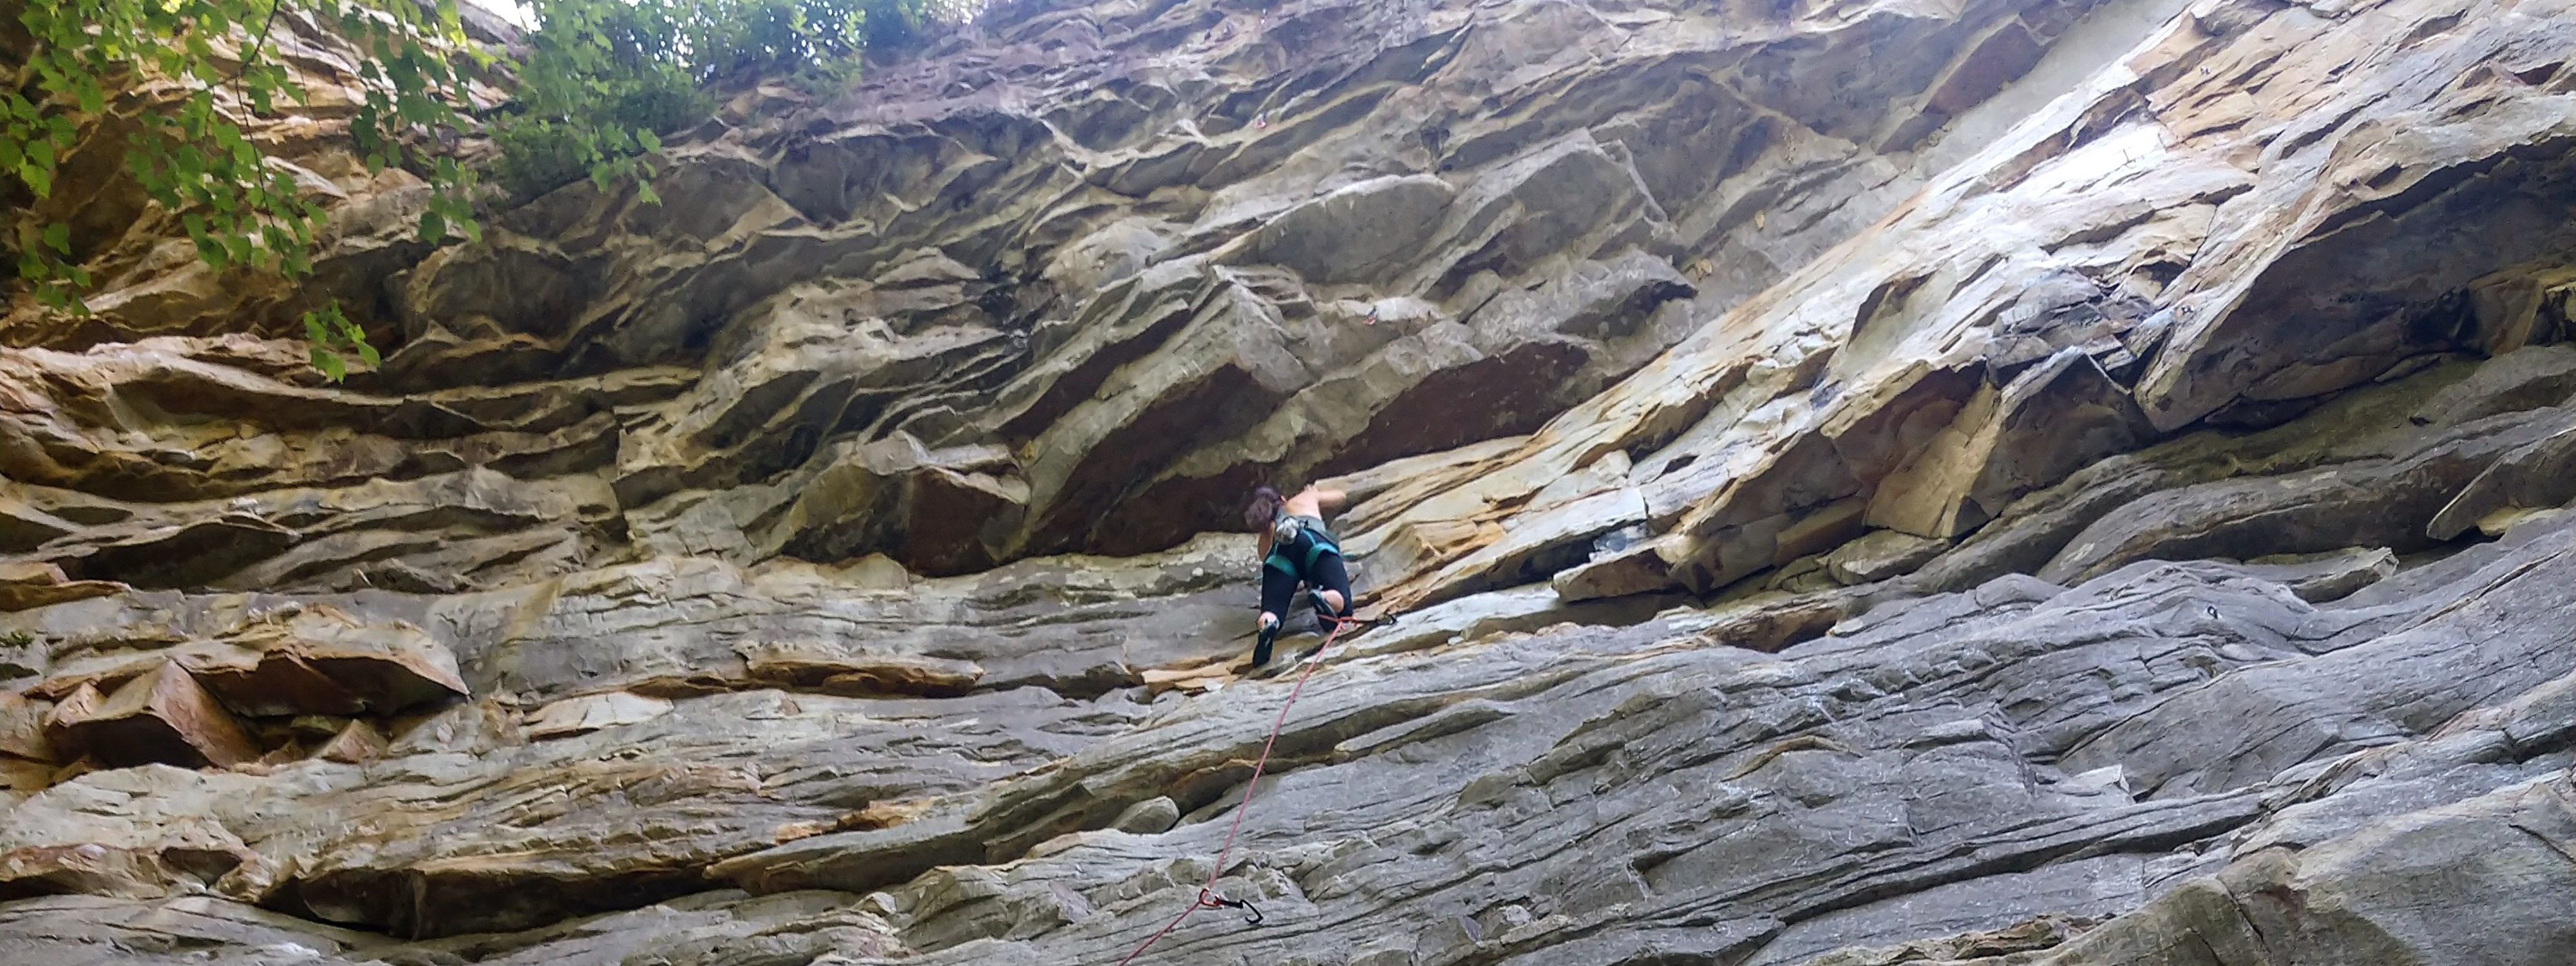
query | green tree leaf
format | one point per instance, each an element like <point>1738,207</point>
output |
<point>603,83</point>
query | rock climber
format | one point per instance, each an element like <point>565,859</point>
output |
<point>1296,548</point>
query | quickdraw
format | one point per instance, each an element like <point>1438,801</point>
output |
<point>1208,897</point>
<point>1251,913</point>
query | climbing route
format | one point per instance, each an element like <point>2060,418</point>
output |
<point>1207,897</point>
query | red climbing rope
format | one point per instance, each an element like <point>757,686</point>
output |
<point>1207,897</point>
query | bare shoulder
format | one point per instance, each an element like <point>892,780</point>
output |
<point>1321,499</point>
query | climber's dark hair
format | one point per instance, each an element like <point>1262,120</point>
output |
<point>1263,508</point>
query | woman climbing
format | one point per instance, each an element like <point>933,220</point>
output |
<point>1296,548</point>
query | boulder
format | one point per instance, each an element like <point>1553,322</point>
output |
<point>22,727</point>
<point>322,660</point>
<point>28,584</point>
<point>161,716</point>
<point>356,743</point>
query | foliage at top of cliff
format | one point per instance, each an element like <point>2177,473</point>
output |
<point>592,90</point>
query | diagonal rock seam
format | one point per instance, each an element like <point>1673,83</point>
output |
<point>2076,482</point>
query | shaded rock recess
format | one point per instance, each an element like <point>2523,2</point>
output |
<point>1856,482</point>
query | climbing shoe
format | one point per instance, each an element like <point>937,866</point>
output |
<point>1323,611</point>
<point>1261,645</point>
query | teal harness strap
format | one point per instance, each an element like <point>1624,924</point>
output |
<point>1318,543</point>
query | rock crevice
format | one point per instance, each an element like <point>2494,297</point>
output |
<point>1997,482</point>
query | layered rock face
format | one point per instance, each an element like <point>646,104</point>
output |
<point>1991,482</point>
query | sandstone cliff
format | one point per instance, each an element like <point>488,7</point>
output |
<point>1857,482</point>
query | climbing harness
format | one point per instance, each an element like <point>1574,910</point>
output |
<point>1285,531</point>
<point>1207,897</point>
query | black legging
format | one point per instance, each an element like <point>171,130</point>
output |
<point>1278,587</point>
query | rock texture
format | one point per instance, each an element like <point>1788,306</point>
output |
<point>1995,482</point>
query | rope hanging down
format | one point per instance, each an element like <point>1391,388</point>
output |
<point>1207,897</point>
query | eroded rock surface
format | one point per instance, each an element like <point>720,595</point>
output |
<point>2060,296</point>
<point>1999,482</point>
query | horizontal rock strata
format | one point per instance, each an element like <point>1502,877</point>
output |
<point>1999,482</point>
